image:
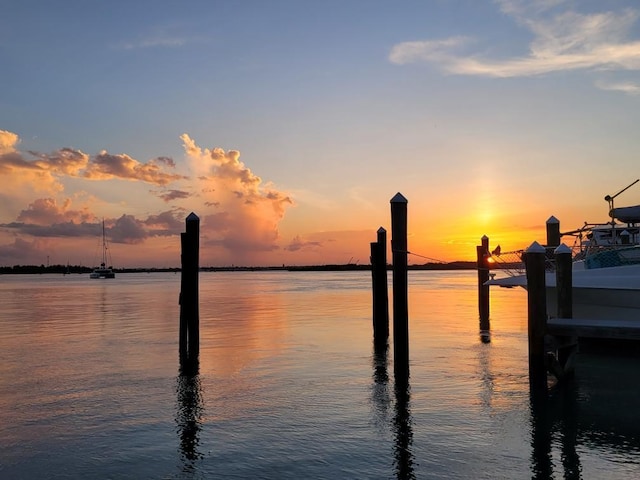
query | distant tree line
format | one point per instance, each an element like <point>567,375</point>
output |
<point>70,269</point>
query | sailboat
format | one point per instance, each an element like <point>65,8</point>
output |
<point>103,271</point>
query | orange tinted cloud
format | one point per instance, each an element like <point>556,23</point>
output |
<point>105,166</point>
<point>45,211</point>
<point>245,212</point>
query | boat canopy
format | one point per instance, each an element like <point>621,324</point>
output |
<point>626,214</point>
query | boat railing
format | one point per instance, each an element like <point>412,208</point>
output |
<point>512,263</point>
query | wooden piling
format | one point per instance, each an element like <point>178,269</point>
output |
<point>379,288</point>
<point>189,309</point>
<point>564,281</point>
<point>400,285</point>
<point>482,252</point>
<point>567,346</point>
<point>553,231</point>
<point>537,315</point>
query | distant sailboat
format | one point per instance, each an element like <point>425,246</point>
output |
<point>103,271</point>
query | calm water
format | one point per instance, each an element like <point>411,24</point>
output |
<point>289,385</point>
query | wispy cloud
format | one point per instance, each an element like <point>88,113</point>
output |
<point>298,243</point>
<point>629,88</point>
<point>154,42</point>
<point>562,40</point>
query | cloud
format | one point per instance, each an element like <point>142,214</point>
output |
<point>629,88</point>
<point>246,211</point>
<point>298,244</point>
<point>563,40</point>
<point>45,211</point>
<point>171,195</point>
<point>44,217</point>
<point>42,171</point>
<point>106,166</point>
<point>127,229</point>
<point>166,223</point>
<point>21,252</point>
<point>8,142</point>
<point>240,212</point>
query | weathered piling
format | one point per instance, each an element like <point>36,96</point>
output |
<point>379,288</point>
<point>400,285</point>
<point>564,281</point>
<point>189,310</point>
<point>482,252</point>
<point>537,315</point>
<point>567,346</point>
<point>553,231</point>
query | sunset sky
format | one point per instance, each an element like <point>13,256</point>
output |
<point>288,125</point>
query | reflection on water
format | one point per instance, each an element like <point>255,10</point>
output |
<point>551,415</point>
<point>189,415</point>
<point>401,422</point>
<point>288,387</point>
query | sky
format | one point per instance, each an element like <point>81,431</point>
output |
<point>287,126</point>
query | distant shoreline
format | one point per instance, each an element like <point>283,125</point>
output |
<point>75,269</point>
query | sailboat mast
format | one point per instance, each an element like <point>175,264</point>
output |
<point>104,246</point>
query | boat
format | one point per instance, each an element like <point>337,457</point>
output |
<point>103,271</point>
<point>606,267</point>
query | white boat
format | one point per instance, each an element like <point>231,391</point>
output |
<point>610,292</point>
<point>606,268</point>
<point>103,271</point>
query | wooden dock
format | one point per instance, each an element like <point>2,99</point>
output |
<point>595,328</point>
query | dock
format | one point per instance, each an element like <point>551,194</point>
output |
<point>594,328</point>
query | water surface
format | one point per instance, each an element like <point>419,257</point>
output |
<point>289,385</point>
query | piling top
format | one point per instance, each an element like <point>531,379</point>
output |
<point>381,230</point>
<point>535,247</point>
<point>399,198</point>
<point>562,248</point>
<point>552,219</point>
<point>484,237</point>
<point>192,217</point>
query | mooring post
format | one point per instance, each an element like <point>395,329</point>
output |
<point>189,310</point>
<point>379,287</point>
<point>482,252</point>
<point>400,285</point>
<point>553,231</point>
<point>537,315</point>
<point>567,346</point>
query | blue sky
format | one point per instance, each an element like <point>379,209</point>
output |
<point>489,116</point>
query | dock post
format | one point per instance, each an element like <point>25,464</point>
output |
<point>400,286</point>
<point>189,309</point>
<point>537,315</point>
<point>379,287</point>
<point>482,252</point>
<point>553,231</point>
<point>567,345</point>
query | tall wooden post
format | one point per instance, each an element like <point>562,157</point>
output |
<point>567,346</point>
<point>379,287</point>
<point>400,286</point>
<point>482,252</point>
<point>189,310</point>
<point>553,231</point>
<point>537,315</point>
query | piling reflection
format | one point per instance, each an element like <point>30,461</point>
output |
<point>402,421</point>
<point>189,415</point>
<point>550,415</point>
<point>403,429</point>
<point>380,389</point>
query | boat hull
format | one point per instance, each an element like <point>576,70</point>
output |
<point>597,293</point>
